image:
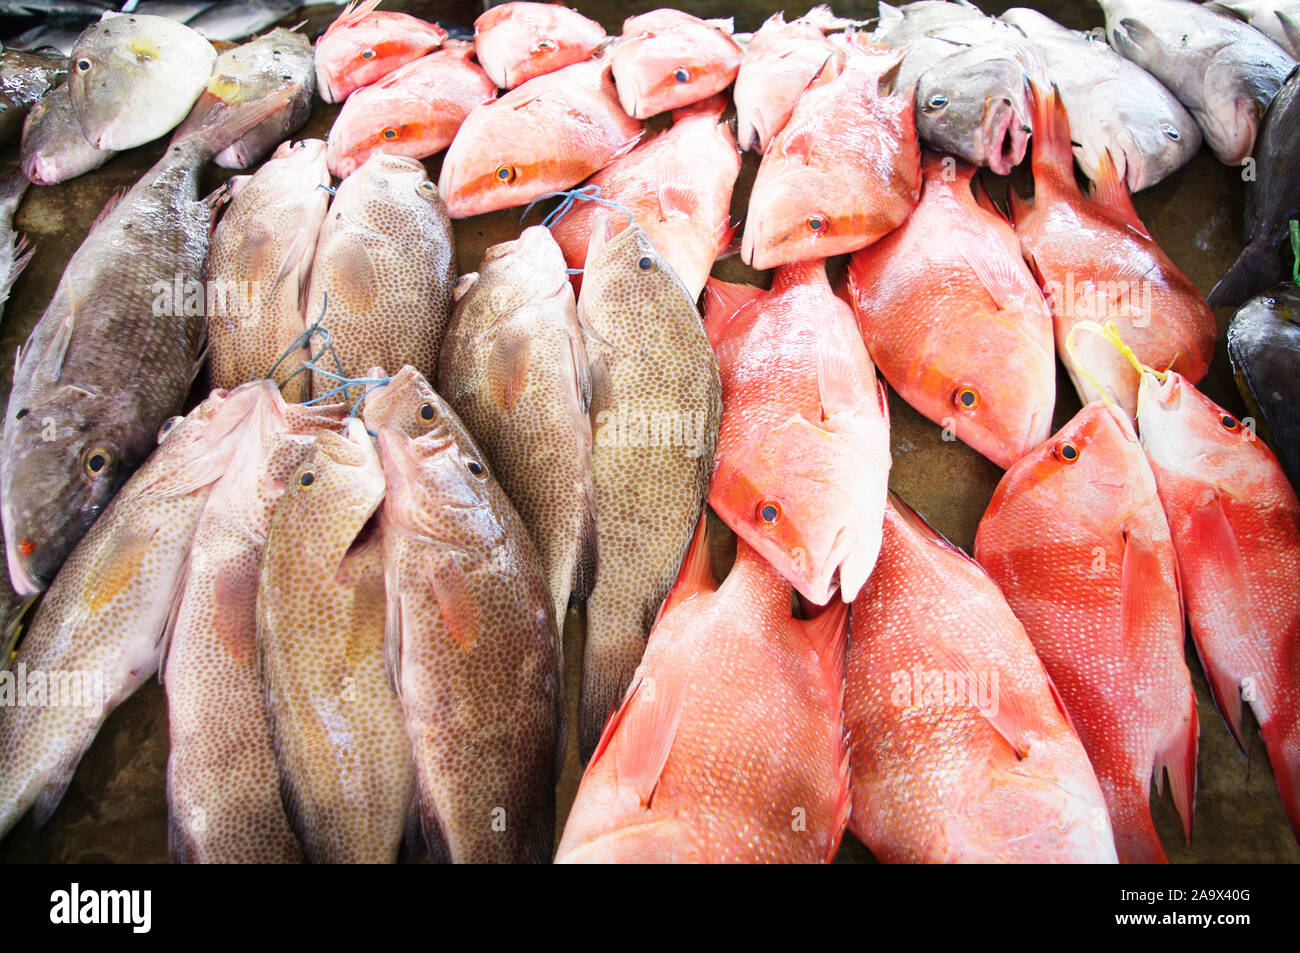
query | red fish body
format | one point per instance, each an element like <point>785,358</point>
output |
<point>364,45</point>
<point>802,467</point>
<point>960,749</point>
<point>1076,537</point>
<point>667,59</point>
<point>956,322</point>
<point>516,41</point>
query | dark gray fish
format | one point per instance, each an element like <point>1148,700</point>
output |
<point>1264,347</point>
<point>1272,200</point>
<point>54,149</point>
<point>241,19</point>
<point>15,253</point>
<point>24,78</point>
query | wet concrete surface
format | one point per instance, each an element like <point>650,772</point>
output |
<point>115,808</point>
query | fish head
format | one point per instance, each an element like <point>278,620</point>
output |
<point>377,123</point>
<point>799,212</point>
<point>656,72</point>
<point>438,487</point>
<point>1146,148</point>
<point>357,51</point>
<point>516,41</point>
<point>134,77</point>
<point>627,266</point>
<point>976,106</point>
<point>1230,121</point>
<point>385,181</point>
<point>408,403</point>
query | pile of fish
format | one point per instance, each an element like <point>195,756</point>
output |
<point>352,564</point>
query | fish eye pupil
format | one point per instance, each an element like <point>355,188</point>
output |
<point>505,173</point>
<point>817,224</point>
<point>426,412</point>
<point>968,398</point>
<point>368,54</point>
<point>938,101</point>
<point>1069,452</point>
<point>1228,421</point>
<point>83,65</point>
<point>390,133</point>
<point>96,462</point>
<point>307,479</point>
<point>681,74</point>
<point>769,513</point>
<point>475,467</point>
<point>644,264</point>
<point>545,46</point>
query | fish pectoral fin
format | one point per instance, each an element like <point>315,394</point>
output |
<point>1142,582</point>
<point>648,720</point>
<point>353,269</point>
<point>1005,713</point>
<point>723,300</point>
<point>841,381</point>
<point>393,630</point>
<point>173,613</point>
<point>511,358</point>
<point>1001,276</point>
<point>456,604</point>
<point>1110,191</point>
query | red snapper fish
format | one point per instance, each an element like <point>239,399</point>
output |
<point>516,41</point>
<point>667,59</point>
<point>364,45</point>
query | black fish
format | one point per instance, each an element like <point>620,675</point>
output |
<point>1264,346</point>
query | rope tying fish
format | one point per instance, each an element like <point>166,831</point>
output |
<point>1109,333</point>
<point>586,193</point>
<point>345,383</point>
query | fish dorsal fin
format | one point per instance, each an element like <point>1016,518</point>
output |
<point>695,575</point>
<point>723,300</point>
<point>1111,193</point>
<point>354,13</point>
<point>1053,151</point>
<point>113,202</point>
<point>999,274</point>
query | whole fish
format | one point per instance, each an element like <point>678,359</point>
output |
<point>112,357</point>
<point>384,269</point>
<point>413,111</point>
<point>844,172</point>
<point>960,748</point>
<point>364,45</point>
<point>346,770</point>
<point>1279,20</point>
<point>260,256</point>
<point>1272,201</point>
<point>956,322</point>
<point>54,149</point>
<point>15,252</point>
<point>544,136</point>
<point>676,185</point>
<point>102,624</point>
<point>134,78</point>
<point>780,61</point>
<point>280,60</point>
<point>1076,537</point>
<point>471,644</point>
<point>516,41</point>
<point>1114,106</point>
<point>223,789</point>
<point>25,77</point>
<point>729,744</point>
<point>655,402</point>
<point>1095,261</point>
<point>1223,71</point>
<point>514,367</point>
<point>1264,346</point>
<point>1235,522</point>
<point>667,59</point>
<point>232,21</point>
<point>802,466</point>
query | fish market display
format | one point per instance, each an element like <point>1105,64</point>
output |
<point>413,111</point>
<point>544,136</point>
<point>729,745</point>
<point>1264,345</point>
<point>364,45</point>
<point>345,766</point>
<point>655,405</point>
<point>134,78</point>
<point>844,172</point>
<point>514,367</point>
<point>1272,201</point>
<point>471,639</point>
<point>1076,537</point>
<point>516,41</point>
<point>260,257</point>
<point>223,789</point>
<point>677,186</point>
<point>1114,106</point>
<point>54,149</point>
<point>1235,522</point>
<point>383,273</point>
<point>112,357</point>
<point>15,252</point>
<point>956,322</point>
<point>1096,261</point>
<point>25,77</point>
<point>1279,20</point>
<point>1223,71</point>
<point>803,458</point>
<point>959,746</point>
<point>667,59</point>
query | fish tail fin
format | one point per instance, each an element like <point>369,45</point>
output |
<point>12,188</point>
<point>723,300</point>
<point>1177,758</point>
<point>1110,191</point>
<point>214,123</point>
<point>1282,739</point>
<point>1136,840</point>
<point>614,645</point>
<point>1053,152</point>
<point>1257,268</point>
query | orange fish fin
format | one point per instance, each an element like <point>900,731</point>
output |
<point>723,300</point>
<point>1284,754</point>
<point>355,12</point>
<point>1018,205</point>
<point>678,196</point>
<point>696,572</point>
<point>1142,581</point>
<point>113,201</point>
<point>827,634</point>
<point>456,604</point>
<point>1000,275</point>
<point>841,382</point>
<point>1177,758</point>
<point>1004,712</point>
<point>649,719</point>
<point>1110,191</point>
<point>1053,149</point>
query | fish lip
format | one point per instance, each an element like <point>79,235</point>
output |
<point>323,88</point>
<point>20,574</point>
<point>999,124</point>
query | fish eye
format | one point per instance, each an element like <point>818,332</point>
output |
<point>389,133</point>
<point>98,461</point>
<point>427,412</point>
<point>168,426</point>
<point>367,54</point>
<point>22,413</point>
<point>83,65</point>
<point>306,478</point>
<point>938,101</point>
<point>769,512</point>
<point>682,74</point>
<point>818,224</point>
<point>645,263</point>
<point>475,467</point>
<point>506,174</point>
<point>1171,132</point>
<point>1066,452</point>
<point>427,187</point>
<point>966,398</point>
<point>1229,422</point>
<point>544,46</point>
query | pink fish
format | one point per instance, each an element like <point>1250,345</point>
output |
<point>516,41</point>
<point>364,45</point>
<point>667,59</point>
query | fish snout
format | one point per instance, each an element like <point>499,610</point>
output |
<point>1006,136</point>
<point>323,87</point>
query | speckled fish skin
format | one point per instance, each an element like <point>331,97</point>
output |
<point>54,149</point>
<point>345,763</point>
<point>805,430</point>
<point>667,59</point>
<point>261,252</point>
<point>517,41</point>
<point>223,789</point>
<point>543,136</point>
<point>1113,104</point>
<point>1279,20</point>
<point>952,317</point>
<point>731,728</point>
<point>1235,522</point>
<point>386,259</point>
<point>1264,346</point>
<point>471,642</point>
<point>1077,539</point>
<point>678,187</point>
<point>134,78</point>
<point>1096,261</point>
<point>364,45</point>
<point>25,77</point>
<point>848,160</point>
<point>413,111</point>
<point>514,367</point>
<point>653,375</point>
<point>112,357</point>
<point>108,610</point>
<point>15,252</point>
<point>993,775</point>
<point>1223,71</point>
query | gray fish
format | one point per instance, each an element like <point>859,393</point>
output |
<point>24,78</point>
<point>58,38</point>
<point>15,253</point>
<point>112,357</point>
<point>1279,20</point>
<point>1272,200</point>
<point>1264,347</point>
<point>242,18</point>
<point>54,149</point>
<point>1222,70</point>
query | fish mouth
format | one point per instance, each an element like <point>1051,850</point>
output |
<point>22,579</point>
<point>323,88</point>
<point>40,171</point>
<point>750,134</point>
<point>1006,137</point>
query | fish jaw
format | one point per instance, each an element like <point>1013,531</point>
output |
<point>324,88</point>
<point>1006,137</point>
<point>20,566</point>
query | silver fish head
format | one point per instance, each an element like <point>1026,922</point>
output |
<point>976,106</point>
